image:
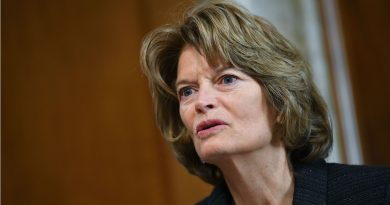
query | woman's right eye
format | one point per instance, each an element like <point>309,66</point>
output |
<point>186,91</point>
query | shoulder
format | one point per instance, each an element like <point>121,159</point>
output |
<point>319,182</point>
<point>358,173</point>
<point>357,184</point>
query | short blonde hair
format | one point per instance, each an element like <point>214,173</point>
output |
<point>222,30</point>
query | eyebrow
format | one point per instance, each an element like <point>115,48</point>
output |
<point>217,70</point>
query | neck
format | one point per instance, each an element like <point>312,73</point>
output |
<point>260,177</point>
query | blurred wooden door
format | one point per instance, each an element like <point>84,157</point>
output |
<point>366,31</point>
<point>77,124</point>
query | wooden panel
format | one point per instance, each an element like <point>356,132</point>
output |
<point>366,26</point>
<point>77,124</point>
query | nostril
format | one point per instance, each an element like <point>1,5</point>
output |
<point>210,106</point>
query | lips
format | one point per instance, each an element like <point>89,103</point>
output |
<point>208,124</point>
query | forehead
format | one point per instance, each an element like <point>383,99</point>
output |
<point>193,61</point>
<point>189,58</point>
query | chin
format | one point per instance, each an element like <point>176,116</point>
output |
<point>209,151</point>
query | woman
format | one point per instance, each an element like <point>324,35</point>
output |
<point>238,103</point>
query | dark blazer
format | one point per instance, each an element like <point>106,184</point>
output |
<point>328,183</point>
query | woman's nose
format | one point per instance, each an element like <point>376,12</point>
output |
<point>206,100</point>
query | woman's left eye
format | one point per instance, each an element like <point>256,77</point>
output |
<point>229,79</point>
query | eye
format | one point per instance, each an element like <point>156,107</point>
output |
<point>229,79</point>
<point>186,91</point>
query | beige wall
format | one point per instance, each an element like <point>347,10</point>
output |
<point>77,124</point>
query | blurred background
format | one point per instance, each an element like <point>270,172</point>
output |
<point>77,124</point>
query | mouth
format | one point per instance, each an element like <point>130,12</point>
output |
<point>208,124</point>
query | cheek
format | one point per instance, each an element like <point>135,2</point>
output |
<point>254,113</point>
<point>186,118</point>
<point>248,107</point>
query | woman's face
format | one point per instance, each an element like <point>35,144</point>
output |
<point>225,110</point>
